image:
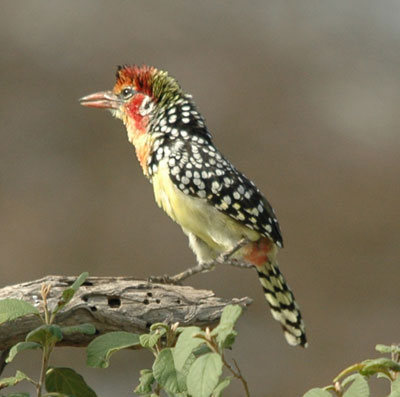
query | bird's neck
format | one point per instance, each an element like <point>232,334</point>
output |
<point>139,137</point>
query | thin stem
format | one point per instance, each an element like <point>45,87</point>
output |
<point>395,358</point>
<point>157,390</point>
<point>45,362</point>
<point>237,374</point>
<point>52,317</point>
<point>348,370</point>
<point>211,343</point>
<point>158,348</point>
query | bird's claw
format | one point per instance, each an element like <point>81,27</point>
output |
<point>164,279</point>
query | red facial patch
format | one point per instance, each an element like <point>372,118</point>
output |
<point>133,111</point>
<point>137,129</point>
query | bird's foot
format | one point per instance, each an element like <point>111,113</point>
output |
<point>240,264</point>
<point>164,279</point>
<point>178,278</point>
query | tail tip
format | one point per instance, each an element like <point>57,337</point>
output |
<point>295,340</point>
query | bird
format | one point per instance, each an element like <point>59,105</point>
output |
<point>221,211</point>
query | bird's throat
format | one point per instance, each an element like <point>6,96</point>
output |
<point>142,141</point>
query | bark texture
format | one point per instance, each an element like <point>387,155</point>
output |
<point>114,303</point>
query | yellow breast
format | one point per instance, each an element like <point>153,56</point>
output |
<point>197,216</point>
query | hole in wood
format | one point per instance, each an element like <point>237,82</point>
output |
<point>149,294</point>
<point>85,298</point>
<point>114,301</point>
<point>93,308</point>
<point>146,301</point>
<point>158,301</point>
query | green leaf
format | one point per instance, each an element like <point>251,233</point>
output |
<point>68,293</point>
<point>204,375</point>
<point>149,340</point>
<point>161,327</point>
<point>317,392</point>
<point>396,385</point>
<point>146,381</point>
<point>185,345</point>
<point>225,332</point>
<point>46,335</point>
<point>100,349</point>
<point>79,281</point>
<point>67,381</point>
<point>13,380</point>
<point>183,394</point>
<point>166,374</point>
<point>346,381</point>
<point>87,329</point>
<point>371,367</point>
<point>21,346</point>
<point>202,349</point>
<point>55,394</point>
<point>221,387</point>
<point>383,375</point>
<point>18,395</point>
<point>230,314</point>
<point>388,349</point>
<point>10,309</point>
<point>359,388</point>
<point>395,388</point>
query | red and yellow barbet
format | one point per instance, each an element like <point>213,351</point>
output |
<point>215,204</point>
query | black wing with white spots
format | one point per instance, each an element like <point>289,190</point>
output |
<point>198,169</point>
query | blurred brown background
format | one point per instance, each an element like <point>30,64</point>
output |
<point>302,96</point>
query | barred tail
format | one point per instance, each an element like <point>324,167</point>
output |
<point>283,305</point>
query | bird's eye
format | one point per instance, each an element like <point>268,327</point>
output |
<point>127,92</point>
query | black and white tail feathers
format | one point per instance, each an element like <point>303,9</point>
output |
<point>283,305</point>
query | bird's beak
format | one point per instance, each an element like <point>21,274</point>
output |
<point>104,100</point>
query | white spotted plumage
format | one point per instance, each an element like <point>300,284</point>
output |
<point>215,204</point>
<point>215,179</point>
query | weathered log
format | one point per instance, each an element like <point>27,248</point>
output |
<point>114,303</point>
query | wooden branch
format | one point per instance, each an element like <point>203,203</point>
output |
<point>114,303</point>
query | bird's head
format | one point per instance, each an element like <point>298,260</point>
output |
<point>138,94</point>
<point>154,109</point>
